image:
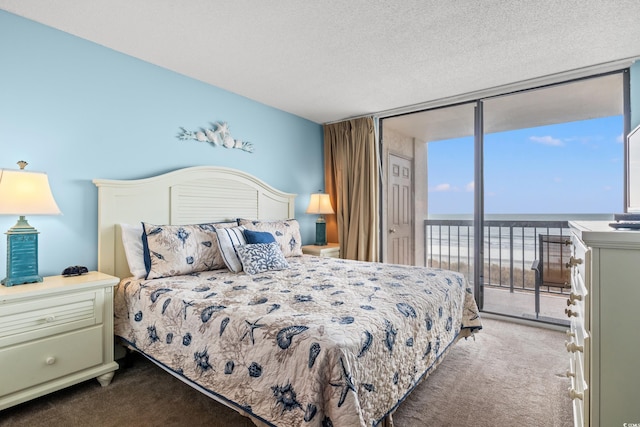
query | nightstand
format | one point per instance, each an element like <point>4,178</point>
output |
<point>331,250</point>
<point>55,334</point>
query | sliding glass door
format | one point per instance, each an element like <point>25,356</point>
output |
<point>449,228</point>
<point>550,155</point>
<point>505,174</point>
<point>440,143</point>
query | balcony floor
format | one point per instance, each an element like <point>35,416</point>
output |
<point>522,304</point>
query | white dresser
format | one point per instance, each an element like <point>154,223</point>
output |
<point>604,337</point>
<point>54,334</point>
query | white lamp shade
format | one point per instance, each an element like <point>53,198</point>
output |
<point>26,193</point>
<point>320,204</point>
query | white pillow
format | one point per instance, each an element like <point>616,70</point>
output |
<point>229,239</point>
<point>132,242</point>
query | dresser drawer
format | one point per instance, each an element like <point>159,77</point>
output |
<point>36,362</point>
<point>583,340</point>
<point>581,282</point>
<point>579,371</point>
<point>578,301</point>
<point>580,251</point>
<point>32,319</point>
<point>577,391</point>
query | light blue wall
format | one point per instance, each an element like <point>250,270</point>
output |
<point>635,94</point>
<point>79,111</point>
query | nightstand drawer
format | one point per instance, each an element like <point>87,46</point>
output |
<point>29,364</point>
<point>29,320</point>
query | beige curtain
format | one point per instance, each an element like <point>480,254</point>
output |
<point>352,180</point>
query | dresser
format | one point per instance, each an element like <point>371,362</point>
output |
<point>55,334</point>
<point>604,337</point>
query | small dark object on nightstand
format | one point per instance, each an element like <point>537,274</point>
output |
<point>75,270</point>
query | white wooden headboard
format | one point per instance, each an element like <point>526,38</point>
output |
<point>186,196</point>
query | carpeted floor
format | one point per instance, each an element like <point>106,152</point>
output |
<point>510,375</point>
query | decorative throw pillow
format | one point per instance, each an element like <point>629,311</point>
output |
<point>260,257</point>
<point>173,250</point>
<point>218,260</point>
<point>258,237</point>
<point>286,233</point>
<point>229,239</point>
<point>133,249</point>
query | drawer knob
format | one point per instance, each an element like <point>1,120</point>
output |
<point>573,261</point>
<point>575,297</point>
<point>570,333</point>
<point>570,313</point>
<point>573,394</point>
<point>570,374</point>
<point>50,360</point>
<point>573,347</point>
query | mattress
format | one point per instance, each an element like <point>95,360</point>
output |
<point>325,342</point>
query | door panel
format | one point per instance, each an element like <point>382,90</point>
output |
<point>400,211</point>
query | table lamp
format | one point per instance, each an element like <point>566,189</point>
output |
<point>24,193</point>
<point>320,204</point>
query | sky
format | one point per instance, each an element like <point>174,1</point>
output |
<point>569,168</point>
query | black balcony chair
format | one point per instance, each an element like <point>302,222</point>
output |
<point>551,266</point>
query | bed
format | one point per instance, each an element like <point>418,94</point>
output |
<point>284,338</point>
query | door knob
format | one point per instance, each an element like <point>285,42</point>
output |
<point>392,230</point>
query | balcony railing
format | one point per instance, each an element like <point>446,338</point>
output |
<point>510,249</point>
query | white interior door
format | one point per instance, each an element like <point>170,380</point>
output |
<point>400,210</point>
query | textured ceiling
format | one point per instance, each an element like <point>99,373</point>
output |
<point>333,59</point>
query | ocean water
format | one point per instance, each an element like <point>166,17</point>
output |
<point>517,237</point>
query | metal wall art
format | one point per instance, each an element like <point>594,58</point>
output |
<point>218,135</point>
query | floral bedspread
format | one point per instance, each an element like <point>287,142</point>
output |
<point>326,342</point>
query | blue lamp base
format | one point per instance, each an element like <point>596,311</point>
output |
<point>22,254</point>
<point>321,232</point>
